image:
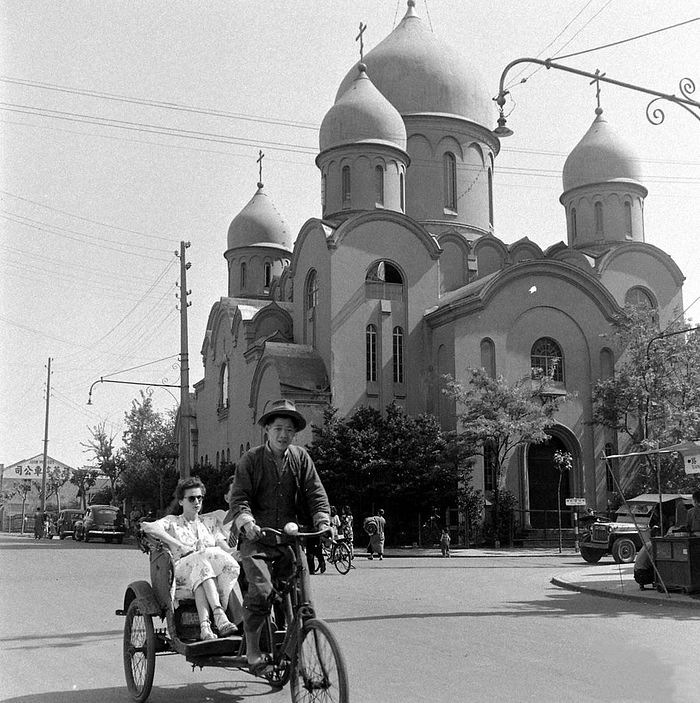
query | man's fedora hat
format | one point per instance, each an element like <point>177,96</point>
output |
<point>283,408</point>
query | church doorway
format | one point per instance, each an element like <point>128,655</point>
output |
<point>543,481</point>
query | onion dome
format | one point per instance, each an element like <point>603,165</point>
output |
<point>259,223</point>
<point>362,114</point>
<point>602,156</point>
<point>418,73</point>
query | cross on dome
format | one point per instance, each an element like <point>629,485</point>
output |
<point>361,39</point>
<point>259,160</point>
<point>596,80</point>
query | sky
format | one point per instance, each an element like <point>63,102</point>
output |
<point>128,127</point>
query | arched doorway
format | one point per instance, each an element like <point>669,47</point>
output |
<point>543,482</point>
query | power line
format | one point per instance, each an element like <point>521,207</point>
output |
<point>624,41</point>
<point>160,104</point>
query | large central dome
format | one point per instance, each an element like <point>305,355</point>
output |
<point>418,73</point>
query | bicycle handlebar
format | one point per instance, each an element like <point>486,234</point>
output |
<point>291,529</point>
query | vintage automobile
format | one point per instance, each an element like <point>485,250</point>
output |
<point>65,524</point>
<point>104,521</point>
<point>635,522</point>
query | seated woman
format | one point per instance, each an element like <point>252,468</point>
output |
<point>203,560</point>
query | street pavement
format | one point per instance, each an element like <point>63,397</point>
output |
<point>606,578</point>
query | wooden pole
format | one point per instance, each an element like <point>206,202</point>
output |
<point>46,439</point>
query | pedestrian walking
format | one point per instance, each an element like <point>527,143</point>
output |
<point>445,542</point>
<point>346,528</point>
<point>38,524</point>
<point>374,526</point>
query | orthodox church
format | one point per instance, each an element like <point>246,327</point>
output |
<point>402,279</point>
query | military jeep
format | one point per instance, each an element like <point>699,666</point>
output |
<point>635,522</point>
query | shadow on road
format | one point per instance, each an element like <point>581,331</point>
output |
<point>559,604</point>
<point>212,692</point>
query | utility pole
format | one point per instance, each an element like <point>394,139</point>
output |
<point>46,439</point>
<point>184,443</point>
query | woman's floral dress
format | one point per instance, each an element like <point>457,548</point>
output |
<point>207,561</point>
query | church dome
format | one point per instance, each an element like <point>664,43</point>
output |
<point>601,156</point>
<point>362,114</point>
<point>259,224</point>
<point>418,73</point>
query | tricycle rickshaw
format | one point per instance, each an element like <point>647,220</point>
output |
<point>302,649</point>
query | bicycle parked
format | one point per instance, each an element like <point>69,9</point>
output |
<point>303,650</point>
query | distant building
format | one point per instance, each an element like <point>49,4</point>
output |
<point>21,482</point>
<point>403,279</point>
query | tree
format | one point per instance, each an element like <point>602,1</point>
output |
<point>564,462</point>
<point>149,454</point>
<point>107,461</point>
<point>84,479</point>
<point>499,416</point>
<point>653,399</point>
<point>56,477</point>
<point>403,463</point>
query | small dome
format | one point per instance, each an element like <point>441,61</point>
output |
<point>601,156</point>
<point>259,224</point>
<point>418,73</point>
<point>362,114</point>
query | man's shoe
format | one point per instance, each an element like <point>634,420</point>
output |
<point>370,557</point>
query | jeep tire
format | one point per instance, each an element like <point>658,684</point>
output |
<point>624,550</point>
<point>590,554</point>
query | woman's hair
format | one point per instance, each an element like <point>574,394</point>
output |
<point>333,510</point>
<point>184,484</point>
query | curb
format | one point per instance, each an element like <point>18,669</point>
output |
<point>659,599</point>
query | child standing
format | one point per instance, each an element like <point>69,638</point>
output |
<point>445,543</point>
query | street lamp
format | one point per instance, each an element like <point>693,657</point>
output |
<point>655,116</point>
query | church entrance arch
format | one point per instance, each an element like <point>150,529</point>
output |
<point>543,483</point>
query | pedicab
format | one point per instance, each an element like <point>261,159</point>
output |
<point>301,649</point>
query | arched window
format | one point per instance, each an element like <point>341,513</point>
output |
<point>268,274</point>
<point>379,184</point>
<point>247,446</point>
<point>450,180</point>
<point>598,210</point>
<point>628,218</point>
<point>574,231</point>
<point>397,338</point>
<point>546,360</point>
<point>243,272</point>
<point>488,357</point>
<point>402,192</point>
<point>489,466</point>
<point>346,186</point>
<point>371,352</point>
<point>490,175</point>
<point>217,460</point>
<point>637,297</point>
<point>223,386</point>
<point>324,191</point>
<point>228,455</point>
<point>384,282</point>
<point>310,303</point>
<point>241,450</point>
<point>384,271</point>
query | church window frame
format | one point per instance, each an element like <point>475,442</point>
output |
<point>244,271</point>
<point>267,268</point>
<point>574,226</point>
<point>371,356</point>
<point>402,192</point>
<point>489,460</point>
<point>346,185</point>
<point>397,339</point>
<point>490,189</point>
<point>324,191</point>
<point>379,185</point>
<point>310,306</point>
<point>641,298</point>
<point>488,356</point>
<point>598,217</point>
<point>547,360</point>
<point>449,176</point>
<point>384,281</point>
<point>224,399</point>
<point>628,218</point>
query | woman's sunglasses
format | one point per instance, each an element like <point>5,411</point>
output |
<point>192,499</point>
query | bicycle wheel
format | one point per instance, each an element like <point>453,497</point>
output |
<point>318,669</point>
<point>343,558</point>
<point>139,653</point>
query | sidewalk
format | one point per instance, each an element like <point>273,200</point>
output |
<point>605,579</point>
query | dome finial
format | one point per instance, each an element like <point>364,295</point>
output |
<point>411,12</point>
<point>596,80</point>
<point>259,160</point>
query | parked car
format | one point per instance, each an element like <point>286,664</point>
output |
<point>104,521</point>
<point>65,525</point>
<point>635,522</point>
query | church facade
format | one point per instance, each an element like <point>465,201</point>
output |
<point>402,279</point>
